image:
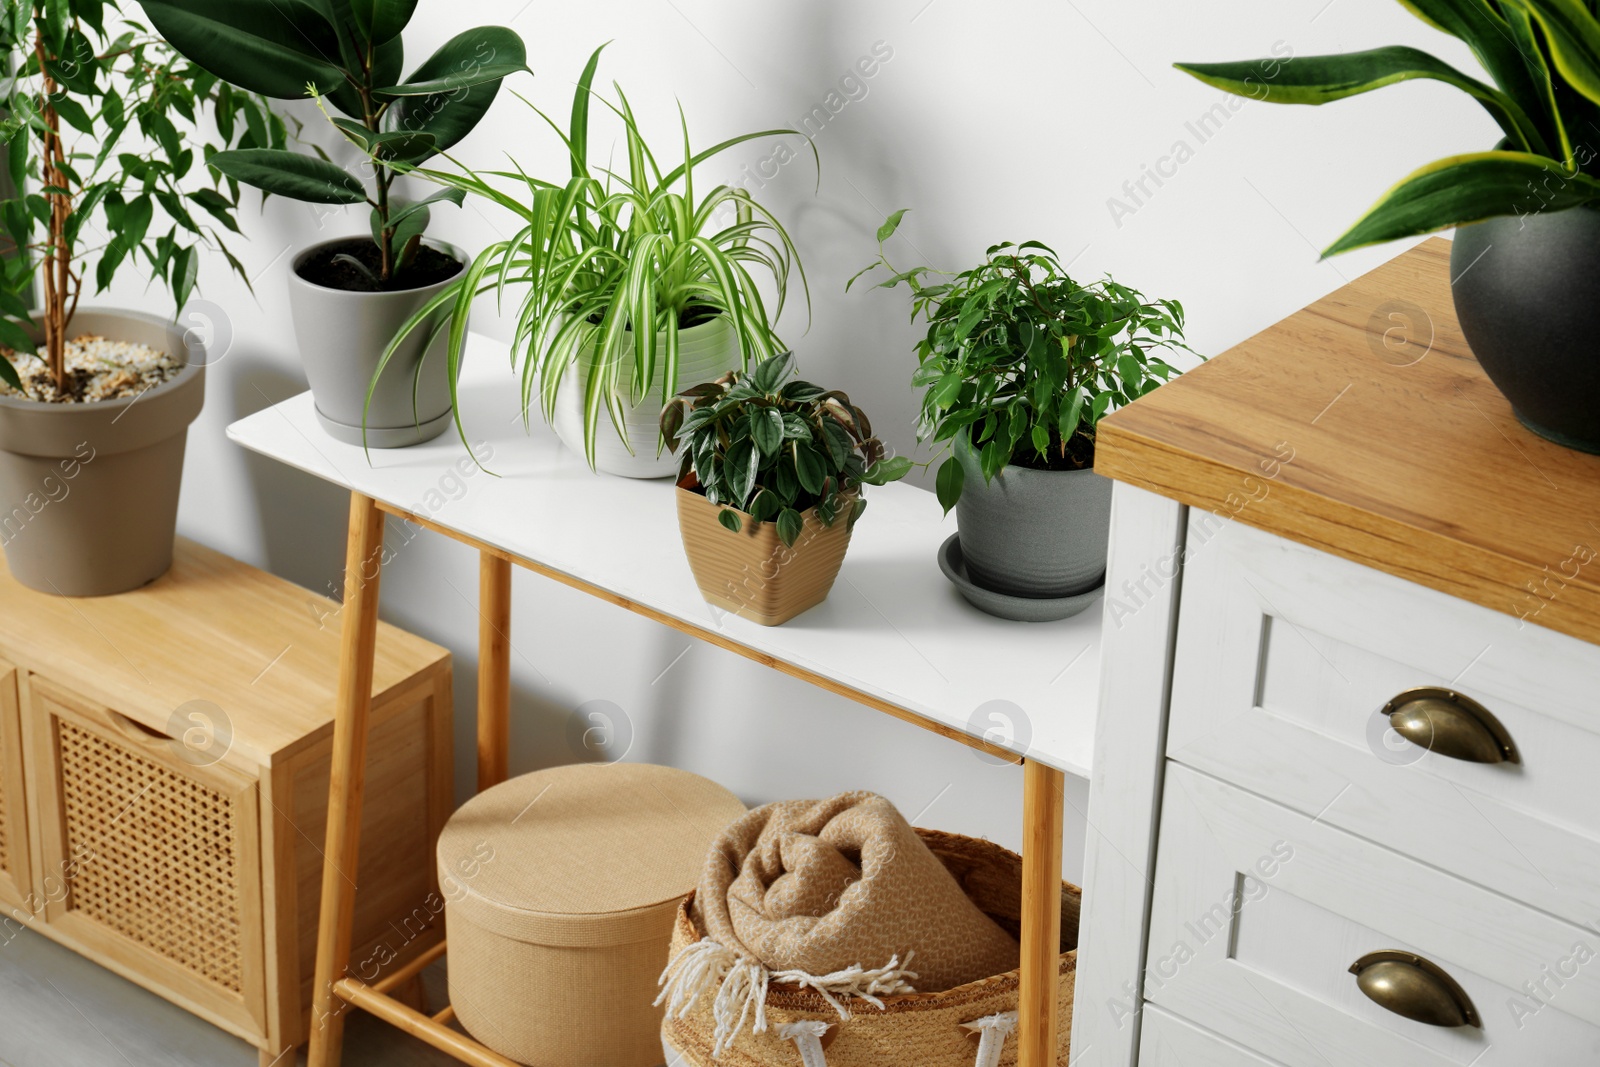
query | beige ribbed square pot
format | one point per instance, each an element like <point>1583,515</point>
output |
<point>752,573</point>
<point>561,889</point>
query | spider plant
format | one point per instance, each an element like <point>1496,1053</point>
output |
<point>612,266</point>
<point>1543,58</point>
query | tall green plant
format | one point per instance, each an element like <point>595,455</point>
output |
<point>351,53</point>
<point>89,200</point>
<point>1020,362</point>
<point>607,262</point>
<point>1543,58</point>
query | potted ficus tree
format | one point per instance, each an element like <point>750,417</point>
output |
<point>630,284</point>
<point>349,295</point>
<point>107,174</point>
<point>1525,264</point>
<point>1018,365</point>
<point>769,486</point>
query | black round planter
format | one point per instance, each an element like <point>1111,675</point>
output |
<point>1527,292</point>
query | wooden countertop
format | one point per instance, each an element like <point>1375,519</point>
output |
<point>1363,426</point>
<point>262,649</point>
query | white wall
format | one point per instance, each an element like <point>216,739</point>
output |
<point>991,121</point>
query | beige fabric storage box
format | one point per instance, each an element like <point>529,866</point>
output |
<point>561,889</point>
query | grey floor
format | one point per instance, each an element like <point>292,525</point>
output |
<point>59,1010</point>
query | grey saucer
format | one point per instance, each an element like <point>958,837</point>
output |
<point>1019,608</point>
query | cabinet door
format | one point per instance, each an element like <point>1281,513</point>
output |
<point>1260,912</point>
<point>14,877</point>
<point>149,863</point>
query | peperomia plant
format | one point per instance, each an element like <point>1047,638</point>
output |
<point>771,448</point>
<point>350,53</point>
<point>1020,362</point>
<point>1543,57</point>
<point>85,201</point>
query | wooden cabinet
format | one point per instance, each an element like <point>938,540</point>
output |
<point>164,761</point>
<point>1348,711</point>
<point>14,878</point>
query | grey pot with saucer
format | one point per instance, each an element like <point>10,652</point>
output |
<point>1032,544</point>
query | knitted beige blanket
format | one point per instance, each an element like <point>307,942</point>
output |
<point>839,896</point>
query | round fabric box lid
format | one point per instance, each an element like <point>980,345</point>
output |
<point>584,855</point>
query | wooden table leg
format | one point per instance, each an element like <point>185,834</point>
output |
<point>342,848</point>
<point>1042,801</point>
<point>494,670</point>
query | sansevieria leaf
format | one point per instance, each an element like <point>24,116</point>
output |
<point>1323,79</point>
<point>1495,44</point>
<point>1574,36</point>
<point>1469,188</point>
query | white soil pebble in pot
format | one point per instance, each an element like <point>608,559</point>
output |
<point>98,369</point>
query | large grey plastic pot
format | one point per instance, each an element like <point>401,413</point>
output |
<point>1037,534</point>
<point>89,492</point>
<point>1524,291</point>
<point>343,334</point>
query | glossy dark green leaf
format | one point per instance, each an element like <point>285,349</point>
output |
<point>766,429</point>
<point>474,57</point>
<point>730,519</point>
<point>291,175</point>
<point>380,20</point>
<point>790,526</point>
<point>273,47</point>
<point>808,467</point>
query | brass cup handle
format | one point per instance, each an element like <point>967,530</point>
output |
<point>1453,725</point>
<point>1415,988</point>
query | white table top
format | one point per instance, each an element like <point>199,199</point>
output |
<point>893,628</point>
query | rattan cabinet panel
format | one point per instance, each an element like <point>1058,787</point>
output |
<point>160,858</point>
<point>164,763</point>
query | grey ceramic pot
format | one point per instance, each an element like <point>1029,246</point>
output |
<point>342,335</point>
<point>1028,533</point>
<point>1525,292</point>
<point>89,492</point>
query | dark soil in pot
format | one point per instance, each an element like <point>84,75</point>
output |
<point>324,267</point>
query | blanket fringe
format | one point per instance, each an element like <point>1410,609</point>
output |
<point>741,987</point>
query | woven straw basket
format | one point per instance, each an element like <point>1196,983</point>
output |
<point>561,887</point>
<point>914,1030</point>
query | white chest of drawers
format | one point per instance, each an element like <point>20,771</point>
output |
<point>1316,540</point>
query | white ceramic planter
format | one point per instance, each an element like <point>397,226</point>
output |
<point>705,352</point>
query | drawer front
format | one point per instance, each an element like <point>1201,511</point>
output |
<point>1260,912</point>
<point>14,862</point>
<point>1286,658</point>
<point>1168,1041</point>
<point>159,858</point>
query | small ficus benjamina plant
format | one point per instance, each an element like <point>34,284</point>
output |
<point>1020,362</point>
<point>771,448</point>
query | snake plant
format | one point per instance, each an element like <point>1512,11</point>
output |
<point>1542,58</point>
<point>612,264</point>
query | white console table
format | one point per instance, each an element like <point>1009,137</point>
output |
<point>894,635</point>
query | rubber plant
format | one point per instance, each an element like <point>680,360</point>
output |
<point>104,148</point>
<point>1542,59</point>
<point>1020,361</point>
<point>350,53</point>
<point>604,258</point>
<point>769,448</point>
